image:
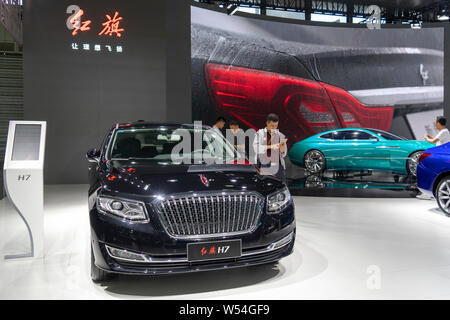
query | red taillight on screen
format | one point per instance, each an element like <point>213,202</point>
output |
<point>303,105</point>
<point>423,156</point>
<point>353,113</point>
<point>249,95</point>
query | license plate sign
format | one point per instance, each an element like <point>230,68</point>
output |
<point>202,251</point>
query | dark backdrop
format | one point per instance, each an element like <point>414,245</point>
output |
<point>82,93</point>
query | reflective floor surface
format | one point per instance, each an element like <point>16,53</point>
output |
<point>346,248</point>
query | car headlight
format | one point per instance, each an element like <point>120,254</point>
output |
<point>278,201</point>
<point>129,210</point>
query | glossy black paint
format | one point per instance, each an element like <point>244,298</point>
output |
<point>144,180</point>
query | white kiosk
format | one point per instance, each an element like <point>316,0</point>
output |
<point>24,180</point>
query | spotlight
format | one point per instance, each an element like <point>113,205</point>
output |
<point>443,18</point>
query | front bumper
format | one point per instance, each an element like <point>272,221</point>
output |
<point>180,264</point>
<point>166,255</point>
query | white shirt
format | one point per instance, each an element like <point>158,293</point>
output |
<point>443,136</point>
<point>217,130</point>
<point>260,143</point>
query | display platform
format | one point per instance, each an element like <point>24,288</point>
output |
<point>354,184</point>
<point>346,248</point>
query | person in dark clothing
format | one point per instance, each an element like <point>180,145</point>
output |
<point>236,137</point>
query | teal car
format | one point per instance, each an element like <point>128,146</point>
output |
<point>358,149</point>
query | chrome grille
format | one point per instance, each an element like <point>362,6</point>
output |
<point>210,214</point>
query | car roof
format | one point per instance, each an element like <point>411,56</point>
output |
<point>142,124</point>
<point>347,129</point>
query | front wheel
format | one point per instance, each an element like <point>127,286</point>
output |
<point>443,195</point>
<point>412,162</point>
<point>314,161</point>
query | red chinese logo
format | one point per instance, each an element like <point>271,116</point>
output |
<point>212,250</point>
<point>78,25</point>
<point>204,180</point>
<point>112,25</point>
<point>203,251</point>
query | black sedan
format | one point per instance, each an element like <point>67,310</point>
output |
<point>157,209</point>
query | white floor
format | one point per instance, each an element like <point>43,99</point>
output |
<point>346,248</point>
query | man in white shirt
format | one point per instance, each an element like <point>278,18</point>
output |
<point>443,136</point>
<point>270,148</point>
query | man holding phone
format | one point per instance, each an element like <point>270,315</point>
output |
<point>270,148</point>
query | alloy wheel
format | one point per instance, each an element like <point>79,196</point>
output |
<point>443,195</point>
<point>314,161</point>
<point>413,161</point>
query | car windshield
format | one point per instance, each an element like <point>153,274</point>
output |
<point>171,145</point>
<point>387,135</point>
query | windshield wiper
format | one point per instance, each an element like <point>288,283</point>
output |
<point>127,159</point>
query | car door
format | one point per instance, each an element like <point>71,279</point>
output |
<point>371,151</point>
<point>357,150</point>
<point>395,152</point>
<point>336,150</point>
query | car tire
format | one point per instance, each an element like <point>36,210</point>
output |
<point>412,162</point>
<point>442,195</point>
<point>314,181</point>
<point>314,161</point>
<point>97,274</point>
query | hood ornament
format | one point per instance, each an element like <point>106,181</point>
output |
<point>204,180</point>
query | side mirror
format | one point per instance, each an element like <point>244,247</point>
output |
<point>93,154</point>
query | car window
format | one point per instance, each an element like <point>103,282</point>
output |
<point>339,135</point>
<point>359,135</point>
<point>387,135</point>
<point>158,143</point>
<point>327,135</point>
<point>352,135</point>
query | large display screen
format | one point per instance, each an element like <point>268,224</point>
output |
<point>315,78</point>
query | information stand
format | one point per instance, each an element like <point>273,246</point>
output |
<point>24,181</point>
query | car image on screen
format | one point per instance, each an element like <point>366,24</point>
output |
<point>315,78</point>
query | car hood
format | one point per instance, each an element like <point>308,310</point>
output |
<point>143,179</point>
<point>419,144</point>
<point>442,149</point>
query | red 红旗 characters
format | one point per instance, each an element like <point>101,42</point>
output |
<point>110,27</point>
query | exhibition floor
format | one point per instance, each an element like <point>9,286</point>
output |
<point>346,248</point>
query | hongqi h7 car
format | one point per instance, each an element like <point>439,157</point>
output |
<point>151,213</point>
